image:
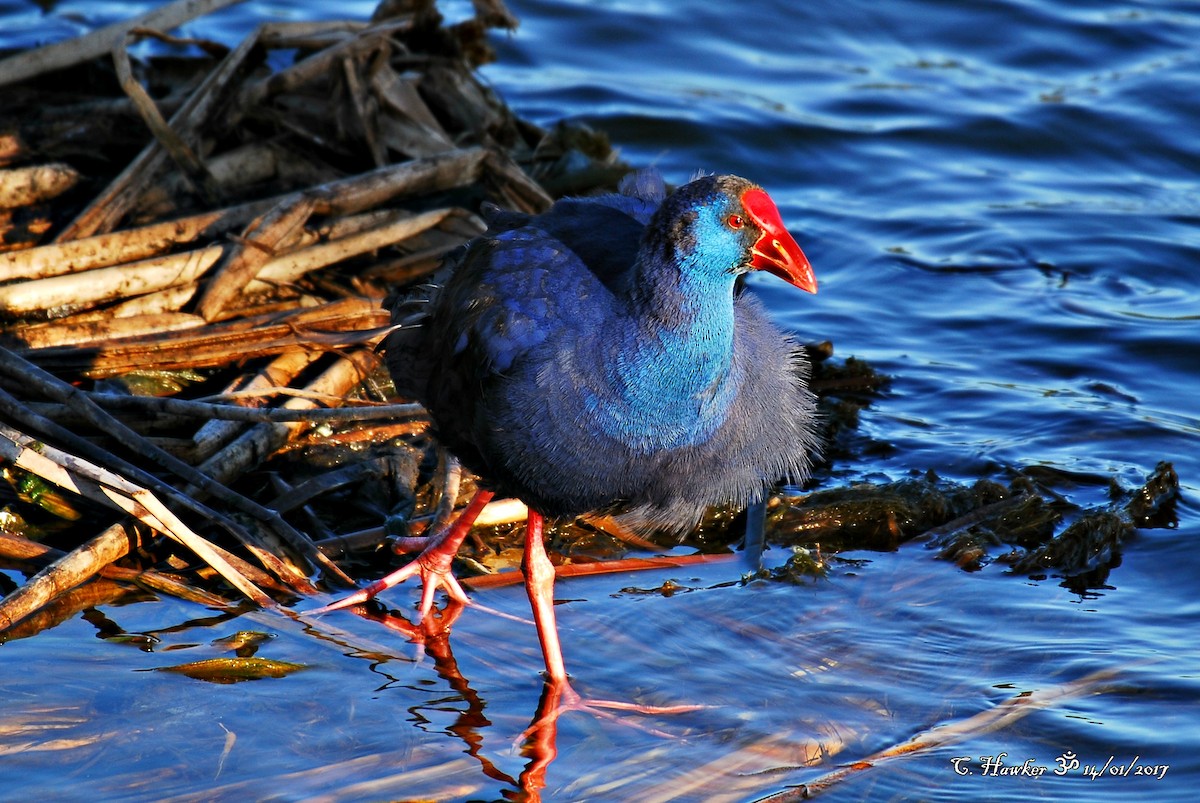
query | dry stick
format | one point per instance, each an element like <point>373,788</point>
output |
<point>354,88</point>
<point>60,391</point>
<point>342,197</point>
<point>262,440</point>
<point>253,573</point>
<point>320,529</point>
<point>100,484</point>
<point>291,393</point>
<point>399,226</point>
<point>129,245</point>
<point>499,511</point>
<point>318,65</point>
<point>408,268</point>
<point>22,228</point>
<point>408,124</point>
<point>233,171</point>
<point>417,177</point>
<point>207,45</point>
<point>248,570</point>
<point>280,372</point>
<point>159,273</point>
<point>95,44</point>
<point>508,183</point>
<point>451,481</point>
<point>334,325</point>
<point>258,244</point>
<point>16,547</point>
<point>177,588</point>
<point>107,209</point>
<point>179,151</point>
<point>67,572</point>
<point>26,186</point>
<point>156,581</point>
<point>23,549</point>
<point>255,445</point>
<point>620,566</point>
<point>278,305</point>
<point>290,497</point>
<point>161,302</point>
<point>350,313</point>
<point>83,290</point>
<point>502,511</point>
<point>11,147</point>
<point>309,35</point>
<point>17,412</point>
<point>337,546</point>
<point>494,14</point>
<point>60,335</point>
<point>611,527</point>
<point>401,93</point>
<point>339,227</point>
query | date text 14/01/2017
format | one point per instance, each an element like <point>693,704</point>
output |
<point>1068,763</point>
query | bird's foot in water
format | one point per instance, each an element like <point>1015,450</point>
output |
<point>432,566</point>
<point>558,698</point>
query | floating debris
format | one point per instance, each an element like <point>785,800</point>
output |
<point>233,670</point>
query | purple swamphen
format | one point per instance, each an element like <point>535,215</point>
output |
<point>598,358</point>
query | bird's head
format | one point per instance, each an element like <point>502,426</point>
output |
<point>732,224</point>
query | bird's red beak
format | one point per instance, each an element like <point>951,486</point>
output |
<point>776,250</point>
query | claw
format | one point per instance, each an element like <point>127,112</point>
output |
<point>433,565</point>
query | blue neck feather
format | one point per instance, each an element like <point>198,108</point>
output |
<point>672,382</point>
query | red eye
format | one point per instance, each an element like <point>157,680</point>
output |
<point>735,221</point>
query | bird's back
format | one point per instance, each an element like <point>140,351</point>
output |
<point>523,273</point>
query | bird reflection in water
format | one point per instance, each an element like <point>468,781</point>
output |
<point>539,741</point>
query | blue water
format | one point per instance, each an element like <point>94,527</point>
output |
<point>1001,203</point>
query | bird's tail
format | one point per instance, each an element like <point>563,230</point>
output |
<point>405,349</point>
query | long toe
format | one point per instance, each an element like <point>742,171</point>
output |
<point>560,698</point>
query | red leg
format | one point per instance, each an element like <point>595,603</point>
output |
<point>539,584</point>
<point>433,564</point>
<point>559,696</point>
